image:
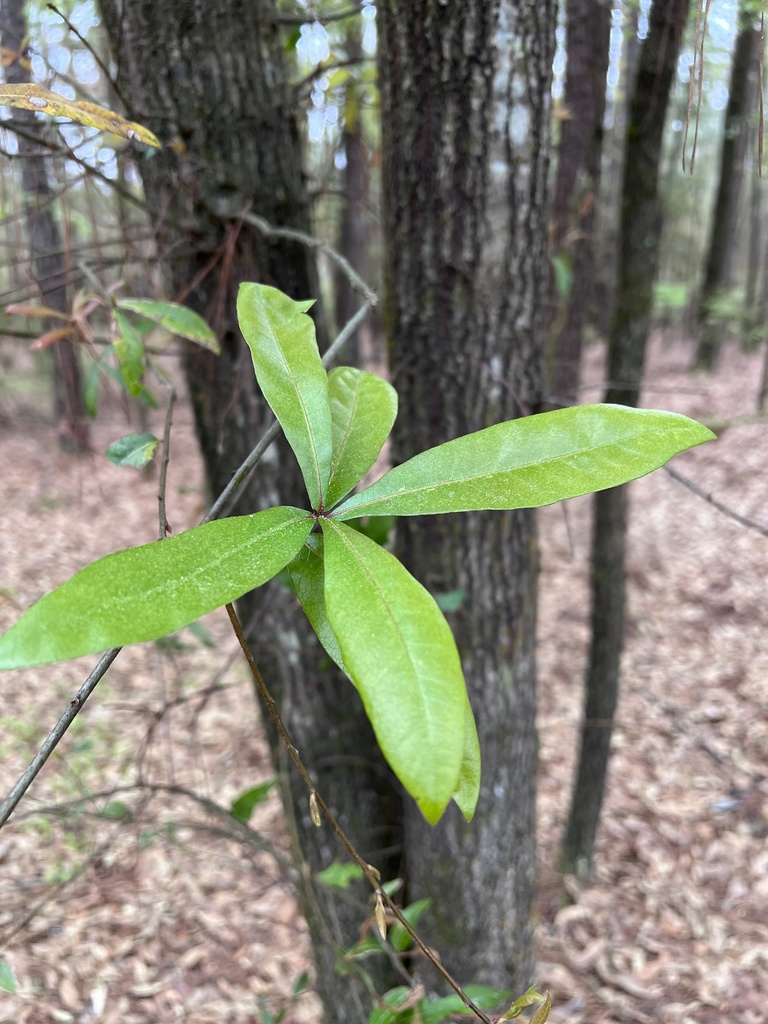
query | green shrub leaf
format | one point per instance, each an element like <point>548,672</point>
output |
<point>178,319</point>
<point>243,807</point>
<point>530,462</point>
<point>468,789</point>
<point>289,371</point>
<point>400,654</point>
<point>135,450</point>
<point>129,349</point>
<point>363,409</point>
<point>146,592</point>
<point>307,577</point>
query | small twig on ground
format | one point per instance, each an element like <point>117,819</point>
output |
<point>726,511</point>
<point>317,804</point>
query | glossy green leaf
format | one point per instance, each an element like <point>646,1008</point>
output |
<point>530,462</point>
<point>135,450</point>
<point>243,807</point>
<point>363,409</point>
<point>289,371</point>
<point>400,654</point>
<point>129,349</point>
<point>395,1007</point>
<point>146,592</point>
<point>178,319</point>
<point>307,577</point>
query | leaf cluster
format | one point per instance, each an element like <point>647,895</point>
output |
<point>378,623</point>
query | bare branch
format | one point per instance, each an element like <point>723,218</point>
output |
<point>726,511</point>
<point>73,709</point>
<point>222,503</point>
<point>316,801</point>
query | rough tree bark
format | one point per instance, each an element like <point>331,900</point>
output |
<point>465,99</point>
<point>641,223</point>
<point>735,128</point>
<point>211,78</point>
<point>46,249</point>
<point>580,153</point>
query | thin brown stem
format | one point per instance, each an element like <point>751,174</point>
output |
<point>317,803</point>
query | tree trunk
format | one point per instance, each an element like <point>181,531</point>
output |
<point>577,186</point>
<point>465,99</point>
<point>641,223</point>
<point>211,76</point>
<point>717,269</point>
<point>46,250</point>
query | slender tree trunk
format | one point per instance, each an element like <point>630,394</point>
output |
<point>609,212</point>
<point>465,98</point>
<point>717,269</point>
<point>45,243</point>
<point>641,223</point>
<point>577,186</point>
<point>211,77</point>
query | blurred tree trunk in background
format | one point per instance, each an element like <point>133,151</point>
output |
<point>576,189</point>
<point>211,78</point>
<point>465,100</point>
<point>46,249</point>
<point>641,224</point>
<point>735,132</point>
<point>353,237</point>
<point>609,210</point>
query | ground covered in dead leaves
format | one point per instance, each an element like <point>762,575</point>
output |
<point>128,894</point>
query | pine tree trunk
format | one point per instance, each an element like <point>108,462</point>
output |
<point>211,76</point>
<point>717,269</point>
<point>46,249</point>
<point>641,223</point>
<point>465,97</point>
<point>577,186</point>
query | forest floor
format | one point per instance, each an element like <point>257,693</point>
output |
<point>126,896</point>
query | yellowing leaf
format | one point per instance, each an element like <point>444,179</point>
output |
<point>35,97</point>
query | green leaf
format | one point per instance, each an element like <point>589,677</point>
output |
<point>433,1011</point>
<point>363,409</point>
<point>400,654</point>
<point>530,462</point>
<point>339,876</point>
<point>399,938</point>
<point>91,389</point>
<point>177,319</point>
<point>135,450</point>
<point>146,592</point>
<point>451,600</point>
<point>7,979</point>
<point>387,1012</point>
<point>528,998</point>
<point>129,349</point>
<point>242,808</point>
<point>307,578</point>
<point>468,789</point>
<point>289,371</point>
<point>116,810</point>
